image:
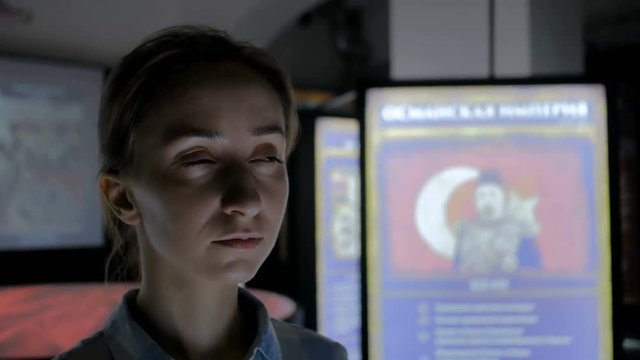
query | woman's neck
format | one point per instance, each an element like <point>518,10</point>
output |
<point>191,318</point>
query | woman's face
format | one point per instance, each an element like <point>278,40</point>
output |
<point>209,179</point>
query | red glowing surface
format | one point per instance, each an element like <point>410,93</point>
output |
<point>43,320</point>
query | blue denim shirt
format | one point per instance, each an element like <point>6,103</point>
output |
<point>123,339</point>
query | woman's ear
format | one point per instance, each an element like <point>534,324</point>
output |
<point>121,202</point>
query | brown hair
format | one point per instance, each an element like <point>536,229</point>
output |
<point>140,78</point>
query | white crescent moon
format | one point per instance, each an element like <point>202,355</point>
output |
<point>431,205</point>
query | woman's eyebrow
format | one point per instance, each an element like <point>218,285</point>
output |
<point>184,131</point>
<point>187,131</point>
<point>268,130</point>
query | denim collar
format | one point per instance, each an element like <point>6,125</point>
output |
<point>128,341</point>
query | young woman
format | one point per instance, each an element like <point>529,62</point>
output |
<point>195,130</point>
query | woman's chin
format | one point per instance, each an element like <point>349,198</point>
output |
<point>233,274</point>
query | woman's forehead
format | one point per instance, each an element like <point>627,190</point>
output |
<point>218,102</point>
<point>215,75</point>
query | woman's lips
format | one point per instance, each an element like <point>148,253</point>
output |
<point>243,244</point>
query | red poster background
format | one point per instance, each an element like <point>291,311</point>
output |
<point>554,175</point>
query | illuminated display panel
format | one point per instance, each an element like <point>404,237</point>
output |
<point>48,156</point>
<point>337,152</point>
<point>487,222</point>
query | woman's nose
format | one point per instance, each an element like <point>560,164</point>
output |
<point>241,196</point>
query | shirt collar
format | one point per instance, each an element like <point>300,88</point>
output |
<point>128,341</point>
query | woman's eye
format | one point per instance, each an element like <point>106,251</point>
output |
<point>197,162</point>
<point>269,159</point>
